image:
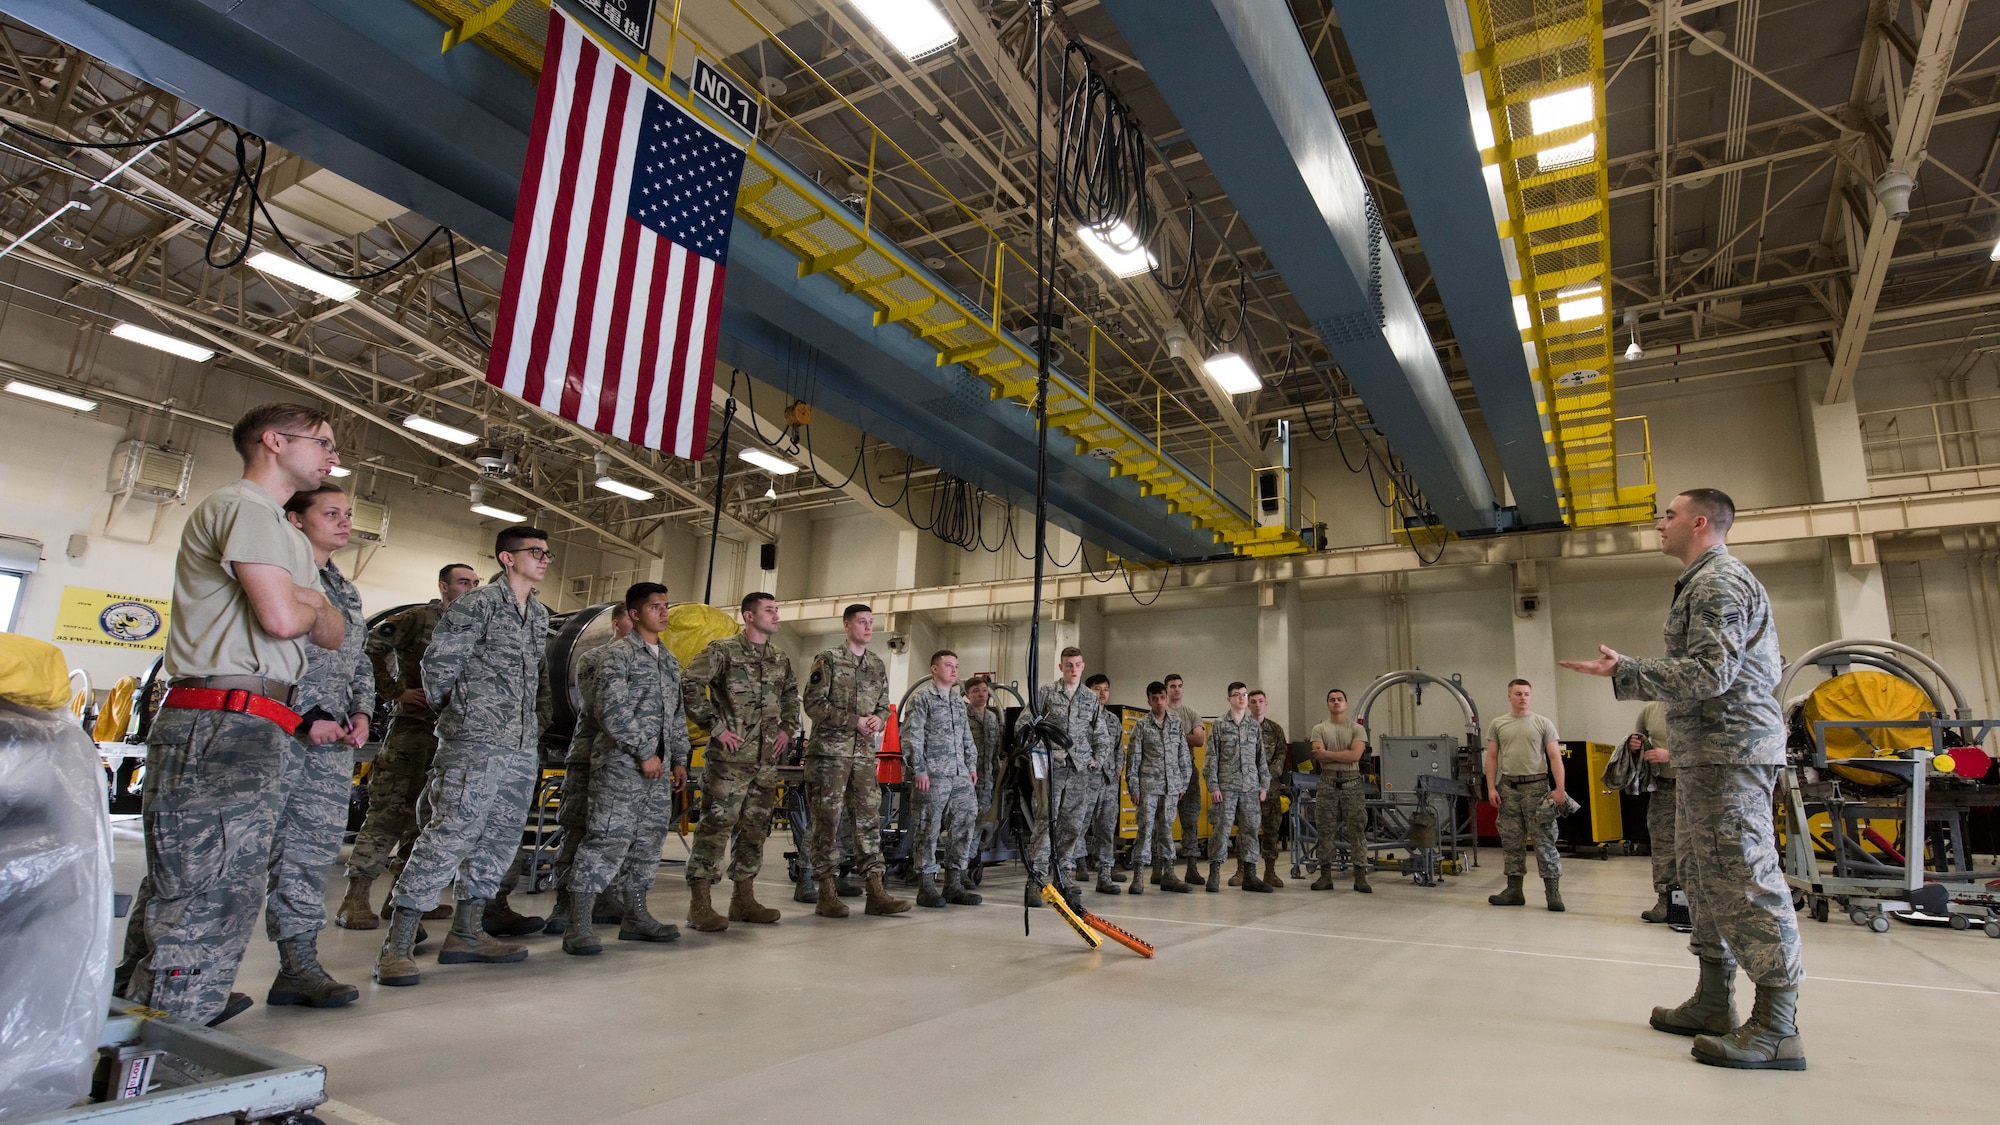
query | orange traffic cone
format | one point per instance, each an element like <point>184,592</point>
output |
<point>889,759</point>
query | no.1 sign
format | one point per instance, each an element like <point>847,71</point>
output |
<point>718,90</point>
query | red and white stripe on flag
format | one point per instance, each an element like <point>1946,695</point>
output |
<point>602,319</point>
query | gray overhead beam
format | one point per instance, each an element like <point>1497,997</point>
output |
<point>1408,56</point>
<point>1242,86</point>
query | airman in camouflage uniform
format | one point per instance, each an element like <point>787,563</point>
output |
<point>1278,759</point>
<point>335,698</point>
<point>213,776</point>
<point>1189,809</point>
<point>941,763</point>
<point>1238,776</point>
<point>741,690</point>
<point>1727,742</point>
<point>1100,843</point>
<point>847,698</point>
<point>395,650</point>
<point>573,814</point>
<point>639,761</point>
<point>1524,780</point>
<point>1340,804</point>
<point>484,672</point>
<point>1652,741</point>
<point>1072,780</point>
<point>1156,764</point>
<point>984,718</point>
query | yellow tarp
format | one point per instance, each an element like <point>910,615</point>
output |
<point>1867,695</point>
<point>32,673</point>
<point>691,627</point>
<point>117,712</point>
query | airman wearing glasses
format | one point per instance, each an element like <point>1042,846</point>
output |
<point>483,674</point>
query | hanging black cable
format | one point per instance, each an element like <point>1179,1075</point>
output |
<point>721,475</point>
<point>783,444</point>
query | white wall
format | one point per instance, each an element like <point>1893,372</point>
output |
<point>52,486</point>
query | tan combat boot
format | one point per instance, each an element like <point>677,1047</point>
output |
<point>1271,872</point>
<point>1236,876</point>
<point>355,913</point>
<point>879,899</point>
<point>1361,880</point>
<point>1769,1040</point>
<point>702,915</point>
<point>468,943</point>
<point>1552,888</point>
<point>396,965</point>
<point>744,907</point>
<point>830,905</point>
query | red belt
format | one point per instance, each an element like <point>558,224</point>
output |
<point>239,701</point>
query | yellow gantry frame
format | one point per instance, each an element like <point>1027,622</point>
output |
<point>1124,428</point>
<point>1558,230</point>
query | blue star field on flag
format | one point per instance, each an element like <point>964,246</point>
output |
<point>684,180</point>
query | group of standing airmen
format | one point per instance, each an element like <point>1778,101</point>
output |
<point>1242,769</point>
<point>271,687</point>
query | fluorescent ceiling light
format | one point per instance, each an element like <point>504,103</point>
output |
<point>914,27</point>
<point>767,462</point>
<point>1581,308</point>
<point>1521,318</point>
<point>1994,256</point>
<point>340,471</point>
<point>499,513</point>
<point>1234,373</point>
<point>1119,249</point>
<point>53,398</point>
<point>164,342</point>
<point>1558,111</point>
<point>438,429</point>
<point>302,275</point>
<point>614,485</point>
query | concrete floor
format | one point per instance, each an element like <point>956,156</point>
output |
<point>1416,1004</point>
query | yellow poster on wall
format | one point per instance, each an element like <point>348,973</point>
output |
<point>102,617</point>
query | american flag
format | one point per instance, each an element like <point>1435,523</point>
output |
<point>614,283</point>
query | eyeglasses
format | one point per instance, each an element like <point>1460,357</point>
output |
<point>542,553</point>
<point>325,444</point>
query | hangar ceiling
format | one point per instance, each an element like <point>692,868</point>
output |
<point>1745,138</point>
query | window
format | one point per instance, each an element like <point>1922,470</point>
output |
<point>10,598</point>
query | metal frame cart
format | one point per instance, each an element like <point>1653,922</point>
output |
<point>155,1069</point>
<point>1865,886</point>
<point>1425,807</point>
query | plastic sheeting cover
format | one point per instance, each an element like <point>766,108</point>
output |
<point>55,910</point>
